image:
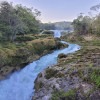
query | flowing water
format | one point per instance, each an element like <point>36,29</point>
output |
<point>20,84</point>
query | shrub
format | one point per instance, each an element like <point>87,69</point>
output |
<point>48,32</point>
<point>61,95</point>
<point>50,73</point>
<point>95,77</point>
<point>24,38</point>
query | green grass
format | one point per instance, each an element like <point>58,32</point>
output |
<point>61,95</point>
<point>25,49</point>
<point>50,73</point>
<point>95,77</point>
<point>24,38</point>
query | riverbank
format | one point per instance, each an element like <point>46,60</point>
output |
<point>76,76</point>
<point>14,56</point>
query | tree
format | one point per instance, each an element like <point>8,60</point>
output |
<point>96,21</point>
<point>29,18</point>
<point>82,25</point>
<point>95,8</point>
<point>17,20</point>
<point>47,26</point>
<point>9,21</point>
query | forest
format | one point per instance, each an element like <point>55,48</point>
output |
<point>16,20</point>
<point>88,24</point>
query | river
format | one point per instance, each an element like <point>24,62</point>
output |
<point>20,84</point>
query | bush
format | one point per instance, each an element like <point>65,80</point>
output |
<point>61,56</point>
<point>61,95</point>
<point>24,38</point>
<point>95,77</point>
<point>48,32</point>
<point>50,73</point>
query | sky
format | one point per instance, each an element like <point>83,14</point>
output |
<point>58,10</point>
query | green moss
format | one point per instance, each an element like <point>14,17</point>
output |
<point>50,73</point>
<point>39,85</point>
<point>24,51</point>
<point>80,73</point>
<point>95,77</point>
<point>70,93</point>
<point>61,95</point>
<point>95,42</point>
<point>59,75</point>
<point>91,65</point>
<point>24,38</point>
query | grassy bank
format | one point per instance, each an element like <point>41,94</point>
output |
<point>76,76</point>
<point>14,56</point>
<point>84,64</point>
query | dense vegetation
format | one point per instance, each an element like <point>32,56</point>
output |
<point>15,55</point>
<point>88,24</point>
<point>20,42</point>
<point>63,25</point>
<point>17,20</point>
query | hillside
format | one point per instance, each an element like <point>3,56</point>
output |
<point>63,25</point>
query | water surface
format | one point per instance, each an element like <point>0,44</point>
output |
<point>20,84</point>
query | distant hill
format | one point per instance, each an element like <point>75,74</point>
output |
<point>63,25</point>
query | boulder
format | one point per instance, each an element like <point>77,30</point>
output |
<point>62,55</point>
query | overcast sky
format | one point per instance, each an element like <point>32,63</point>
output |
<point>58,10</point>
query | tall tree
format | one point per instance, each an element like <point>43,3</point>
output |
<point>82,25</point>
<point>29,18</point>
<point>17,19</point>
<point>9,21</point>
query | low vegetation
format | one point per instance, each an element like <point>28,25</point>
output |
<point>14,55</point>
<point>61,95</point>
<point>50,73</point>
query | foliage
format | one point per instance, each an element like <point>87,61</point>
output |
<point>50,73</point>
<point>47,26</point>
<point>61,95</point>
<point>82,25</point>
<point>17,20</point>
<point>25,50</point>
<point>63,25</point>
<point>95,77</point>
<point>88,24</point>
<point>29,18</point>
<point>24,38</point>
<point>48,32</point>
